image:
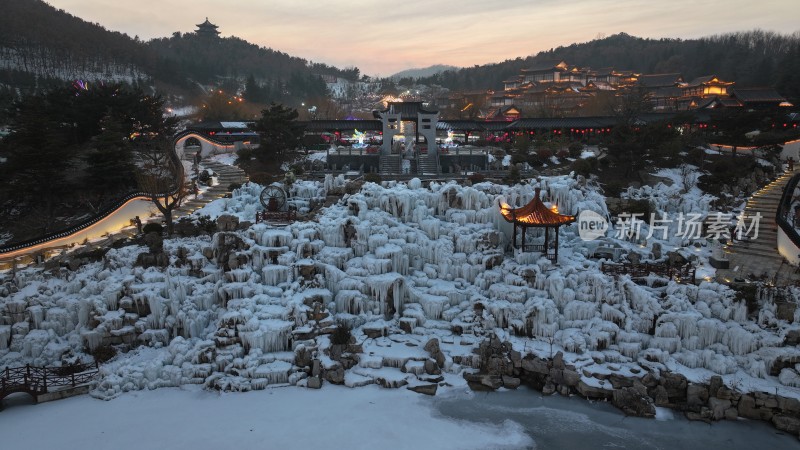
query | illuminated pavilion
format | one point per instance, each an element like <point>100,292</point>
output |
<point>536,214</point>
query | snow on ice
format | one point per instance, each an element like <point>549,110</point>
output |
<point>400,263</point>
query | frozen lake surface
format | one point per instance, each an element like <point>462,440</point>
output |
<point>368,417</point>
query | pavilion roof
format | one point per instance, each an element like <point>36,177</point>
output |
<point>534,214</point>
<point>206,24</point>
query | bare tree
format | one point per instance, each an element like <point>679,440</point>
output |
<point>161,176</point>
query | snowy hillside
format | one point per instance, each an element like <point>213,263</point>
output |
<point>52,64</point>
<point>400,264</point>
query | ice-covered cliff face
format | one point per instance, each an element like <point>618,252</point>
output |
<point>402,261</point>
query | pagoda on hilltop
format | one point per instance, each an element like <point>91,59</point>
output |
<point>207,29</point>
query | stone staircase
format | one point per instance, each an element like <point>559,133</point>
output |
<point>427,165</point>
<point>759,257</point>
<point>389,165</point>
<point>226,175</point>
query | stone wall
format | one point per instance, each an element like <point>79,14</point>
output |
<point>635,395</point>
<point>452,163</point>
<point>370,163</point>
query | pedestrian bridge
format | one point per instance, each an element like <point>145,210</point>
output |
<point>39,381</point>
<point>188,142</point>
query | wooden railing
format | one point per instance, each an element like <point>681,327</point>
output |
<point>679,273</point>
<point>37,380</point>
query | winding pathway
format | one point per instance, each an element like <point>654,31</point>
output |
<point>759,258</point>
<point>226,175</point>
<point>118,221</point>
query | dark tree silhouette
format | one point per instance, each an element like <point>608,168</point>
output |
<point>279,132</point>
<point>161,176</point>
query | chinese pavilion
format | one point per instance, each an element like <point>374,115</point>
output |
<point>207,29</point>
<point>536,214</point>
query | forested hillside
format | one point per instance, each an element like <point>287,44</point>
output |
<point>751,58</point>
<point>41,46</point>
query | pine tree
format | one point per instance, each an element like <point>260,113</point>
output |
<point>279,132</point>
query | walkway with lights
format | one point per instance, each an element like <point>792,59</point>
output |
<point>758,259</point>
<point>120,220</point>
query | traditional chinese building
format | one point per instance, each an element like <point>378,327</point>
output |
<point>706,86</point>
<point>537,215</point>
<point>547,71</point>
<point>207,29</point>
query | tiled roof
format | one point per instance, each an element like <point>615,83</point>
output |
<point>668,92</point>
<point>757,95</point>
<point>544,65</point>
<point>534,214</point>
<point>660,79</point>
<point>562,122</point>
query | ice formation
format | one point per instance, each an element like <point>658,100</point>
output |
<point>400,263</point>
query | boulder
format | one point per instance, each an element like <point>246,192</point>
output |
<point>634,258</point>
<point>718,407</point>
<point>227,222</point>
<point>374,332</point>
<point>789,405</point>
<point>676,259</point>
<point>696,396</point>
<point>510,382</point>
<point>633,403</point>
<point>619,381</point>
<point>792,337</point>
<point>478,382</point>
<point>492,261</point>
<point>725,393</point>
<point>594,391</point>
<point>427,389</point>
<point>154,242</point>
<point>558,361</point>
<point>516,358</point>
<point>786,423</point>
<point>431,368</point>
<point>660,396</point>
<point>302,357</point>
<point>314,382</point>
<point>493,382</point>
<point>565,377</point>
<point>656,250</point>
<point>675,385</point>
<point>407,324</point>
<point>748,409</point>
<point>335,375</point>
<point>785,311</point>
<point>703,415</point>
<point>535,365</point>
<point>432,347</point>
<point>766,400</point>
<point>549,389</point>
<point>713,385</point>
<point>650,380</point>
